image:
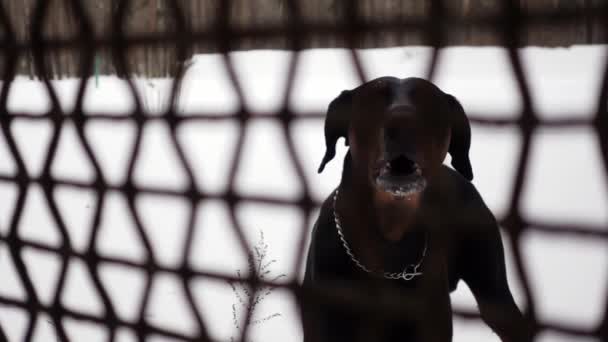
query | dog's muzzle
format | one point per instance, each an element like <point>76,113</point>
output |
<point>400,176</point>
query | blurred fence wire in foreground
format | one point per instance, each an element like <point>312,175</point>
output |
<point>507,25</point>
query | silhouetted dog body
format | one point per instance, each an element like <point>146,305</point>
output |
<point>402,229</point>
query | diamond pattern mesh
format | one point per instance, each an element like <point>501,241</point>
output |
<point>71,254</point>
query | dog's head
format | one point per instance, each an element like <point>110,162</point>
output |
<point>399,132</point>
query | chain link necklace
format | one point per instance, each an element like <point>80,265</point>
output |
<point>408,273</point>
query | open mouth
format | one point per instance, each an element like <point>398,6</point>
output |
<point>400,176</point>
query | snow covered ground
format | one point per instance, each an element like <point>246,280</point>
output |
<point>565,183</point>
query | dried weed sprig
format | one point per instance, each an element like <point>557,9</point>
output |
<point>261,268</point>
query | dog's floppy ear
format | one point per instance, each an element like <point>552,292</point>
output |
<point>460,141</point>
<point>336,125</point>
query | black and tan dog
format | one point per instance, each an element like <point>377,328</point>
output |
<point>402,223</point>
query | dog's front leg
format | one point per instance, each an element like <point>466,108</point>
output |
<point>485,274</point>
<point>499,311</point>
<point>437,321</point>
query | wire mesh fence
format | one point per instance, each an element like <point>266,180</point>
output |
<point>508,25</point>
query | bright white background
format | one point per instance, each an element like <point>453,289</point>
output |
<point>565,183</point>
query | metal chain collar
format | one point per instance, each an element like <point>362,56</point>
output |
<point>408,273</point>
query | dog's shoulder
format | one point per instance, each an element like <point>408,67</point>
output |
<point>325,220</point>
<point>465,203</point>
<point>323,256</point>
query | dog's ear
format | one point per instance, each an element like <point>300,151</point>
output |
<point>460,141</point>
<point>336,125</point>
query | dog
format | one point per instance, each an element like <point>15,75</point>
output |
<point>402,228</point>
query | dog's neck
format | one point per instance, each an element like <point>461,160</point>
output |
<point>392,218</point>
<point>373,224</point>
